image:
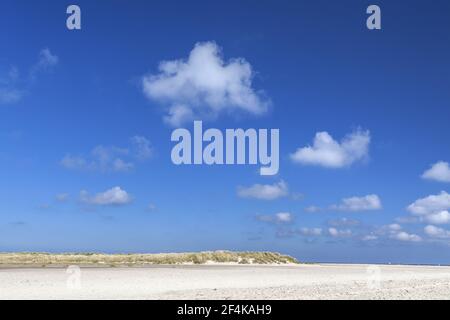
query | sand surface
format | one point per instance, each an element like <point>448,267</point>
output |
<point>228,282</point>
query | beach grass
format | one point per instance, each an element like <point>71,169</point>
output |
<point>135,259</point>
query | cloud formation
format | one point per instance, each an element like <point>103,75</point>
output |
<point>310,231</point>
<point>264,191</point>
<point>278,218</point>
<point>404,236</point>
<point>354,204</point>
<point>327,152</point>
<point>440,171</point>
<point>112,197</point>
<point>111,158</point>
<point>203,86</point>
<point>430,205</point>
<point>339,233</point>
<point>13,87</point>
<point>435,232</point>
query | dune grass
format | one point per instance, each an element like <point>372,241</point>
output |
<point>47,259</point>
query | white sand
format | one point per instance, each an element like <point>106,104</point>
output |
<point>229,282</point>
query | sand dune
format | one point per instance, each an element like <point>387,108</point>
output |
<point>228,282</point>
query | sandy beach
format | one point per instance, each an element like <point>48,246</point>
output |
<point>314,281</point>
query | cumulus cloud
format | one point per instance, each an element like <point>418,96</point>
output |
<point>440,171</point>
<point>330,153</point>
<point>441,217</point>
<point>430,204</point>
<point>112,197</point>
<point>404,236</point>
<point>264,191</point>
<point>203,85</point>
<point>354,204</point>
<point>278,218</point>
<point>111,158</point>
<point>436,232</point>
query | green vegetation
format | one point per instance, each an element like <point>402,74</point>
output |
<point>48,259</point>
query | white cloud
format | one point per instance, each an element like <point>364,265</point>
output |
<point>204,85</point>
<point>343,222</point>
<point>339,233</point>
<point>441,217</point>
<point>47,60</point>
<point>111,158</point>
<point>430,204</point>
<point>12,86</point>
<point>141,147</point>
<point>394,227</point>
<point>310,231</point>
<point>404,236</point>
<point>264,191</point>
<point>279,218</point>
<point>440,171</point>
<point>114,196</point>
<point>10,95</point>
<point>327,152</point>
<point>369,237</point>
<point>366,203</point>
<point>436,232</point>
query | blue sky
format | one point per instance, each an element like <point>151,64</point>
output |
<point>85,146</point>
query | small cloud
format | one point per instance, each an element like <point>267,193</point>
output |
<point>354,204</point>
<point>277,218</point>
<point>327,152</point>
<point>110,158</point>
<point>436,232</point>
<point>151,207</point>
<point>369,237</point>
<point>46,61</point>
<point>394,227</point>
<point>10,95</point>
<point>112,197</point>
<point>404,236</point>
<point>203,85</point>
<point>440,171</point>
<point>339,233</point>
<point>430,204</point>
<point>310,231</point>
<point>13,88</point>
<point>142,149</point>
<point>264,191</point>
